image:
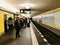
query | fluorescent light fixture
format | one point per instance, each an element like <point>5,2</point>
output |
<point>27,5</point>
<point>7,6</point>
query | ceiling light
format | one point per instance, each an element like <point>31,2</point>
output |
<point>21,11</point>
<point>27,5</point>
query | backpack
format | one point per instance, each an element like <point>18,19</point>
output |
<point>10,22</point>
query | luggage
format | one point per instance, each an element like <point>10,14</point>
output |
<point>28,24</point>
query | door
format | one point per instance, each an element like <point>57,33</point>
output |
<point>5,22</point>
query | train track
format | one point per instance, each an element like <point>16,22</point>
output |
<point>52,38</point>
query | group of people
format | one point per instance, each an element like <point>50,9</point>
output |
<point>18,24</point>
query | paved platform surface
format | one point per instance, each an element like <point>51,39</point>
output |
<point>9,38</point>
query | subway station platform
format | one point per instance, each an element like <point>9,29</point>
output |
<point>44,16</point>
<point>29,36</point>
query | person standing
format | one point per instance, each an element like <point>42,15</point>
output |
<point>10,24</point>
<point>28,23</point>
<point>17,27</point>
<point>25,22</point>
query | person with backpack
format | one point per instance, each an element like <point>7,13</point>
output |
<point>10,23</point>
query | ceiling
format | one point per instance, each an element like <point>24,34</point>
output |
<point>39,6</point>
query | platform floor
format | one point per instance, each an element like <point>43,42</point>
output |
<point>9,38</point>
<point>29,36</point>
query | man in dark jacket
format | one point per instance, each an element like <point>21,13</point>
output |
<point>17,27</point>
